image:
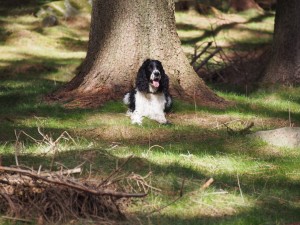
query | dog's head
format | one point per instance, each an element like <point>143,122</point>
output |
<point>151,77</point>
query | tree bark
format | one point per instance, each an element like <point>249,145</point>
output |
<point>242,5</point>
<point>284,66</point>
<point>123,34</point>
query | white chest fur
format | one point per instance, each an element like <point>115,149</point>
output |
<point>149,105</point>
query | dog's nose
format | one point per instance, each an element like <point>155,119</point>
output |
<point>156,73</point>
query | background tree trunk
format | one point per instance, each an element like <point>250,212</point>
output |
<point>284,66</point>
<point>242,5</point>
<point>123,34</point>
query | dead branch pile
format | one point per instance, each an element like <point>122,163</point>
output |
<point>234,67</point>
<point>56,197</point>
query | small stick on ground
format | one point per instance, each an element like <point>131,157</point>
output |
<point>207,184</point>
<point>243,131</point>
<point>17,219</point>
<point>237,175</point>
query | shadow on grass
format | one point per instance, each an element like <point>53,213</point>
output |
<point>3,33</point>
<point>73,44</point>
<point>228,26</point>
<point>266,212</point>
<point>104,161</point>
<point>186,27</point>
<point>20,7</point>
<point>274,199</point>
<point>244,107</point>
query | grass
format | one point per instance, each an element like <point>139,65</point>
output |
<point>254,183</point>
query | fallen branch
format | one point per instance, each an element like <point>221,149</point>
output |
<point>57,197</point>
<point>74,185</point>
<point>207,184</point>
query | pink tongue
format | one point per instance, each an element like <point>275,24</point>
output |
<point>155,83</point>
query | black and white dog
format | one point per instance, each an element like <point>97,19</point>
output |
<point>151,97</point>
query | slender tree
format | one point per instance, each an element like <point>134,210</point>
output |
<point>284,66</point>
<point>123,34</point>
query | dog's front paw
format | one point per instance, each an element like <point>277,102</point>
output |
<point>136,123</point>
<point>167,123</point>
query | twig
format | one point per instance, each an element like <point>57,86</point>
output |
<point>141,180</point>
<point>197,47</point>
<point>17,147</point>
<point>197,56</point>
<point>7,198</point>
<point>290,120</point>
<point>175,200</point>
<point>17,219</point>
<point>207,59</point>
<point>115,171</point>
<point>217,193</point>
<point>63,172</point>
<point>237,175</point>
<point>181,189</point>
<point>153,146</point>
<point>47,140</point>
<point>239,132</point>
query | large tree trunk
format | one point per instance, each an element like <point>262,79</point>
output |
<point>123,34</point>
<point>284,66</point>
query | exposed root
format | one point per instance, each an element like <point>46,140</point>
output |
<point>71,97</point>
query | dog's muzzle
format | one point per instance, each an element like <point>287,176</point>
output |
<point>155,78</point>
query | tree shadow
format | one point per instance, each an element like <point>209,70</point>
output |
<point>73,44</point>
<point>228,26</point>
<point>20,7</point>
<point>270,204</point>
<point>3,33</point>
<point>266,212</point>
<point>186,27</point>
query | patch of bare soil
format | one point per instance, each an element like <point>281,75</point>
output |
<point>128,134</point>
<point>140,135</point>
<point>218,121</point>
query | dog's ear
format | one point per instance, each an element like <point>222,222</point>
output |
<point>164,82</point>
<point>142,82</point>
<point>164,87</point>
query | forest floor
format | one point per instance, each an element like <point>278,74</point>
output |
<point>254,183</point>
